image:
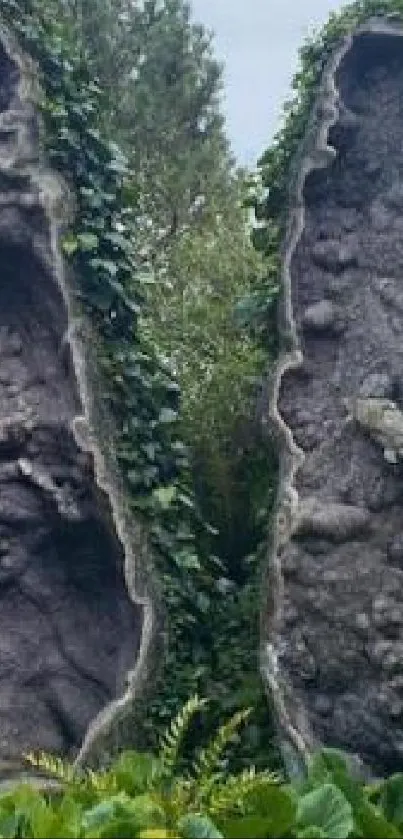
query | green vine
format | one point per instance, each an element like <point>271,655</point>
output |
<point>138,385</point>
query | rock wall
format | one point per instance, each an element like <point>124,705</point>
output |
<point>72,629</point>
<point>332,645</point>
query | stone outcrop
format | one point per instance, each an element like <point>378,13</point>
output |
<point>74,630</point>
<point>332,623</point>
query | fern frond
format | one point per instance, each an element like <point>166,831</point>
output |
<point>68,775</point>
<point>208,763</point>
<point>52,765</point>
<point>173,738</point>
<point>102,782</point>
<point>230,795</point>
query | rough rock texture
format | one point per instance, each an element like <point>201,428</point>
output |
<point>332,650</point>
<point>70,626</point>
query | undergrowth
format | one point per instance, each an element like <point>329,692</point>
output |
<point>145,795</point>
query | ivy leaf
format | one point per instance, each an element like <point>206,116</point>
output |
<point>106,265</point>
<point>167,415</point>
<point>88,241</point>
<point>165,496</point>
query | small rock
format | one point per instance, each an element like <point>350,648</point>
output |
<point>376,385</point>
<point>323,705</point>
<point>342,131</point>
<point>289,564</point>
<point>396,325</point>
<point>334,256</point>
<point>388,655</point>
<point>396,683</point>
<point>13,390</point>
<point>394,196</point>
<point>14,345</point>
<point>379,216</point>
<point>395,707</point>
<point>362,622</point>
<point>316,547</point>
<point>381,603</point>
<point>395,550</point>
<point>372,168</point>
<point>392,662</point>
<point>337,522</point>
<point>330,576</point>
<point>321,316</point>
<point>290,615</point>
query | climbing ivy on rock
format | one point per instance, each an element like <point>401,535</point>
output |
<point>138,385</point>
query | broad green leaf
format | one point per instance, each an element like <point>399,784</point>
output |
<point>311,832</point>
<point>198,827</point>
<point>104,813</point>
<point>249,827</point>
<point>147,811</point>
<point>327,808</point>
<point>273,808</point>
<point>330,765</point>
<point>371,822</point>
<point>391,799</point>
<point>121,827</point>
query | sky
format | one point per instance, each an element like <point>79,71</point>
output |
<point>258,40</point>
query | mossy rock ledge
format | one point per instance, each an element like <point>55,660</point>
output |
<point>332,623</point>
<point>76,621</point>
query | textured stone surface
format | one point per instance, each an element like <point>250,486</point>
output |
<point>69,630</point>
<point>332,651</point>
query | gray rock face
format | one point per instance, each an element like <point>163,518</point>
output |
<point>70,625</point>
<point>332,646</point>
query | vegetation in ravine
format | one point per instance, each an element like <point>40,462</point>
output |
<point>182,308</point>
<point>146,795</point>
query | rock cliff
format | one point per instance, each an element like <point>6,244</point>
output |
<point>71,625</point>
<point>332,646</point>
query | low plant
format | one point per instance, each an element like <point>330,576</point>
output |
<point>146,796</point>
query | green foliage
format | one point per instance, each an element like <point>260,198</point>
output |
<point>146,796</point>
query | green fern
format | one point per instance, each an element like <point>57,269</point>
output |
<point>172,740</point>
<point>230,795</point>
<point>101,782</point>
<point>53,766</point>
<point>208,761</point>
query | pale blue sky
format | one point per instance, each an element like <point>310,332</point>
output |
<point>258,40</point>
